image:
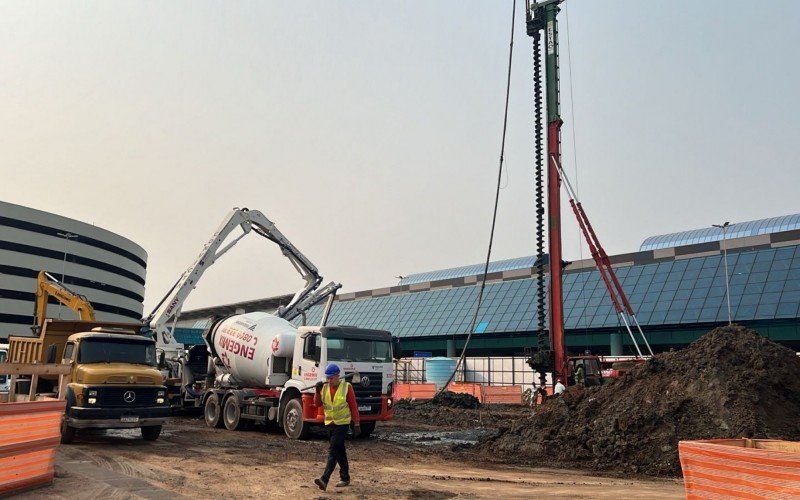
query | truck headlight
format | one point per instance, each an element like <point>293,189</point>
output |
<point>160,401</point>
<point>93,394</point>
<point>92,401</point>
<point>161,394</point>
<point>388,403</point>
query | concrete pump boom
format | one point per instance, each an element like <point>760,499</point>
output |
<point>169,307</point>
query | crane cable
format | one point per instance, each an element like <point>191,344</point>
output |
<point>494,213</point>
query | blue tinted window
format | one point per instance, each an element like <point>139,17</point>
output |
<point>691,315</point>
<point>766,311</point>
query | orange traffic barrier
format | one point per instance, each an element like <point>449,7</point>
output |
<point>502,394</point>
<point>741,468</point>
<point>414,391</point>
<point>475,390</point>
<point>29,435</point>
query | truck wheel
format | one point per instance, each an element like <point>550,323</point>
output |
<point>67,432</point>
<point>151,432</point>
<point>293,424</point>
<point>366,429</point>
<point>232,415</point>
<point>213,412</point>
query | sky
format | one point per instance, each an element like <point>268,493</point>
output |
<point>369,132</point>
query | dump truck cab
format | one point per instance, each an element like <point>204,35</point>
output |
<point>113,382</point>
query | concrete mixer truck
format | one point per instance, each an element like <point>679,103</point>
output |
<point>263,369</point>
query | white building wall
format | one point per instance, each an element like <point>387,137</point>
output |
<point>106,268</point>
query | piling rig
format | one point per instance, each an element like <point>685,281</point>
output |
<point>551,354</point>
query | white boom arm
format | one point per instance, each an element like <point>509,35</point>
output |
<point>310,301</point>
<point>249,220</point>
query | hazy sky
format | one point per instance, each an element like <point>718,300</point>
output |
<point>369,132</point>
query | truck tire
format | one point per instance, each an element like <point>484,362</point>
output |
<point>213,412</point>
<point>366,429</point>
<point>67,432</point>
<point>151,432</point>
<point>232,415</point>
<point>293,424</point>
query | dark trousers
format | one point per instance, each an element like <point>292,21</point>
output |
<point>337,453</point>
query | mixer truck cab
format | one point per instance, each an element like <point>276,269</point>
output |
<point>365,358</point>
<point>264,369</point>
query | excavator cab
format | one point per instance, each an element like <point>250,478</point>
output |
<point>592,371</point>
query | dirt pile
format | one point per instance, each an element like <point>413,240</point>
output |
<point>730,383</point>
<point>456,400</point>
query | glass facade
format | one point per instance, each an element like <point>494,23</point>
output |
<point>460,272</point>
<point>738,230</point>
<point>764,285</point>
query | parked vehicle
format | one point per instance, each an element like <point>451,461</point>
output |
<point>114,381</point>
<point>263,369</point>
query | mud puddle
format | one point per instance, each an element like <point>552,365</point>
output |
<point>440,438</point>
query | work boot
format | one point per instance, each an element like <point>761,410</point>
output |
<point>321,484</point>
<point>342,484</point>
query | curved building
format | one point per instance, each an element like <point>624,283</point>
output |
<point>106,268</point>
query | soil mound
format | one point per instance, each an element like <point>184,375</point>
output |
<point>456,400</point>
<point>730,383</point>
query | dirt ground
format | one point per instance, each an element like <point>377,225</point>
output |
<point>407,458</point>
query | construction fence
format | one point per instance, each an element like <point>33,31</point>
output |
<point>484,370</point>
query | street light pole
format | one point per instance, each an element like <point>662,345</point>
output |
<point>724,228</point>
<point>67,237</point>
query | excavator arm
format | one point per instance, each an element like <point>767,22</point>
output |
<point>248,220</point>
<point>47,286</point>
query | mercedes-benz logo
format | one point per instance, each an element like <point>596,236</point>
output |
<point>129,396</point>
<point>364,381</point>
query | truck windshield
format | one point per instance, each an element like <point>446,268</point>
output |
<point>359,350</point>
<point>117,351</point>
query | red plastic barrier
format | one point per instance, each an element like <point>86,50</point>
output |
<point>475,390</point>
<point>740,468</point>
<point>29,435</point>
<point>502,394</point>
<point>414,391</point>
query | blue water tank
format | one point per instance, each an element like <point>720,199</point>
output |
<point>438,370</point>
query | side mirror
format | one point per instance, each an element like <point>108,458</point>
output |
<point>162,360</point>
<point>397,352</point>
<point>51,353</point>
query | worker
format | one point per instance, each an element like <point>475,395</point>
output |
<point>579,375</point>
<point>559,388</point>
<point>338,401</point>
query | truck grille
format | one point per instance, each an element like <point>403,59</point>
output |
<point>371,394</point>
<point>121,396</point>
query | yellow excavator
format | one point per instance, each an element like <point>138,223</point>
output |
<point>47,286</point>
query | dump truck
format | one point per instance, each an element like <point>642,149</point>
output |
<point>113,383</point>
<point>263,369</point>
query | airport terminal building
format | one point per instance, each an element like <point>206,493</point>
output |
<point>675,283</point>
<point>106,268</point>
